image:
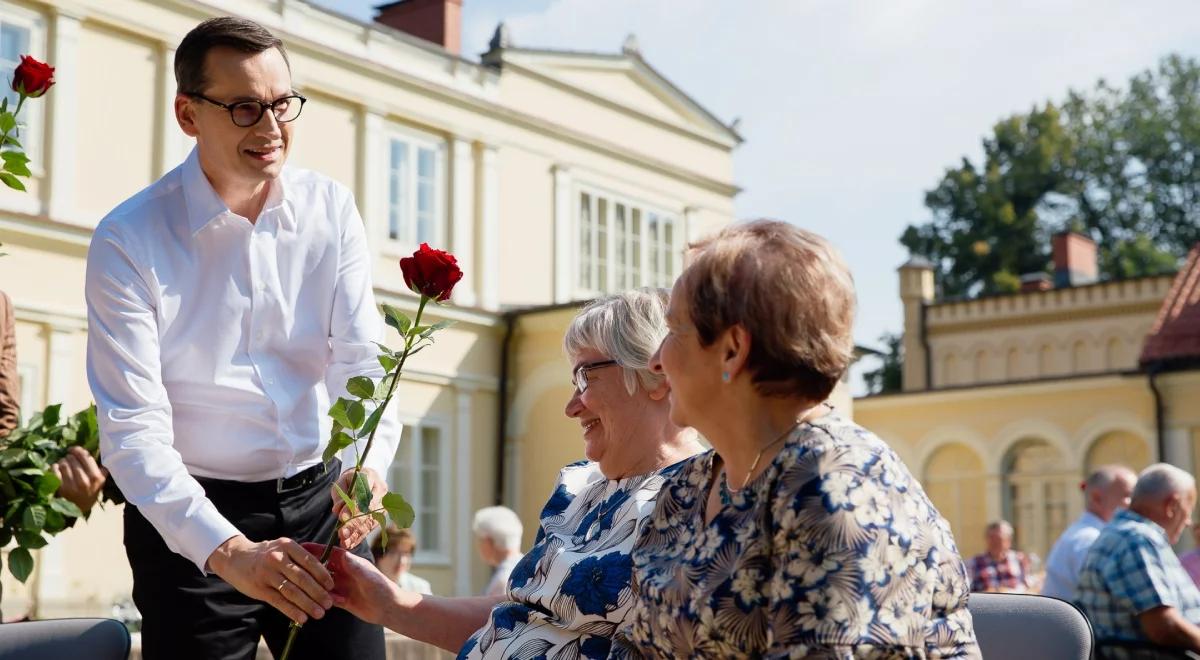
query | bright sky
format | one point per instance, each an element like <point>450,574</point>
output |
<point>852,110</point>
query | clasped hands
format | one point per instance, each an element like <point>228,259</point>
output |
<point>284,574</point>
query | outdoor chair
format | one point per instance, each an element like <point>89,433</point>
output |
<point>1029,627</point>
<point>55,639</point>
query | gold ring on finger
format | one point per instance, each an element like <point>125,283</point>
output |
<point>280,587</point>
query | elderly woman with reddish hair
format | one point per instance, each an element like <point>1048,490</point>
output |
<point>800,534</point>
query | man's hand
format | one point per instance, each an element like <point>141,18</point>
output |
<point>82,478</point>
<point>353,532</point>
<point>278,572</point>
<point>359,587</point>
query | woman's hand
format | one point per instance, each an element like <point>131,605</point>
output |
<point>359,587</point>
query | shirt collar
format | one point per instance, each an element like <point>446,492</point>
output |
<point>1091,520</point>
<point>204,204</point>
<point>1132,516</point>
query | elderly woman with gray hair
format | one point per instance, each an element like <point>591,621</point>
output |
<point>570,593</point>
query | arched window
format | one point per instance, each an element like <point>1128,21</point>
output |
<point>1120,448</point>
<point>1037,484</point>
<point>954,481</point>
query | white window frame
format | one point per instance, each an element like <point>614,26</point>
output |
<point>411,488</point>
<point>638,264</point>
<point>405,244</point>
<point>27,376</point>
<point>33,114</point>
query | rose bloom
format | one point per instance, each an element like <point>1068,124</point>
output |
<point>431,273</point>
<point>32,78</point>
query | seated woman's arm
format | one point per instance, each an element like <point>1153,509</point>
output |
<point>371,596</point>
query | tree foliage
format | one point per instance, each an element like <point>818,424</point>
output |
<point>889,375</point>
<point>1121,165</point>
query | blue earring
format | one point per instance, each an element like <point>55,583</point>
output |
<point>725,376</point>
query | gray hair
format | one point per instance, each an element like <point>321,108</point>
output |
<point>500,524</point>
<point>1001,525</point>
<point>627,327</point>
<point>1160,480</point>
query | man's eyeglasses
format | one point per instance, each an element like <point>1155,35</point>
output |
<point>579,376</point>
<point>248,113</point>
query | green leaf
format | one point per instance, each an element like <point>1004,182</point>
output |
<point>48,484</point>
<point>10,457</point>
<point>18,169</point>
<point>435,327</point>
<point>51,415</point>
<point>338,412</point>
<point>383,532</point>
<point>399,509</point>
<point>34,517</point>
<point>55,522</point>
<point>345,498</point>
<point>65,507</point>
<point>31,540</point>
<point>27,471</point>
<point>371,423</point>
<point>4,105</point>
<point>20,562</point>
<point>361,386</point>
<point>384,349</point>
<point>6,536</point>
<point>362,493</point>
<point>355,414</point>
<point>8,121</point>
<point>11,141</point>
<point>384,386</point>
<point>396,319</point>
<point>14,157</point>
<point>387,362</point>
<point>417,350</point>
<point>12,182</point>
<point>337,442</point>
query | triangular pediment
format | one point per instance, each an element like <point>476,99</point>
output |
<point>625,80</point>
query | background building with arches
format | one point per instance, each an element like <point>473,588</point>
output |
<point>1008,401</point>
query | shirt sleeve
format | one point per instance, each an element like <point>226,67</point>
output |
<point>136,439</point>
<point>1139,579</point>
<point>10,382</point>
<point>354,327</point>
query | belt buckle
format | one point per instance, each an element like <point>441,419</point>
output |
<point>303,478</point>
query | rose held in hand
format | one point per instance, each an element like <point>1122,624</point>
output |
<point>431,273</point>
<point>32,78</point>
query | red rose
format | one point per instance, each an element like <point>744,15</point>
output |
<point>32,78</point>
<point>431,273</point>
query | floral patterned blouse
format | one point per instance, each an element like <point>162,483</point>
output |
<point>568,595</point>
<point>834,551</point>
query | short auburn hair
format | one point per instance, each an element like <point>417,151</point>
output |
<point>240,34</point>
<point>790,290</point>
<point>397,539</point>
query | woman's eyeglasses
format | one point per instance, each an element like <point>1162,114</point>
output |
<point>579,376</point>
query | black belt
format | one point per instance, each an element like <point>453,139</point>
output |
<point>302,479</point>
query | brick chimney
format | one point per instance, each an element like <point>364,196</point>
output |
<point>439,21</point>
<point>1074,259</point>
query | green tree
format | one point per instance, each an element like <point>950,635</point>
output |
<point>889,376</point>
<point>1120,165</point>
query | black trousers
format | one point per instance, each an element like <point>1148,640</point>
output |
<point>186,614</point>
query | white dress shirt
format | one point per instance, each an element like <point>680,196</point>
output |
<point>1066,557</point>
<point>215,346</point>
<point>498,585</point>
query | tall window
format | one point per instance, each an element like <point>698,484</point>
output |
<point>415,187</point>
<point>624,244</point>
<point>420,473</point>
<point>22,32</point>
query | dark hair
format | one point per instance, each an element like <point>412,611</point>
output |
<point>237,33</point>
<point>398,539</point>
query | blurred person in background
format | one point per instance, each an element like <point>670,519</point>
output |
<point>498,531</point>
<point>999,568</point>
<point>1105,491</point>
<point>395,559</point>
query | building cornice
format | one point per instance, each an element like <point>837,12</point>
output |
<point>983,391</point>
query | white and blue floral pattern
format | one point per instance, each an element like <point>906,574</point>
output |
<point>568,595</point>
<point>834,551</point>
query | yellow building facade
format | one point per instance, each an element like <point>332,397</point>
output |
<point>553,176</point>
<point>1009,401</point>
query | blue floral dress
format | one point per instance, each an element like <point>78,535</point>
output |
<point>834,551</point>
<point>567,597</point>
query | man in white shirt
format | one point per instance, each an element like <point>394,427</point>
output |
<point>1105,491</point>
<point>228,304</point>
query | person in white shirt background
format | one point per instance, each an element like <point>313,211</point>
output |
<point>498,532</point>
<point>228,304</point>
<point>1105,491</point>
<point>395,559</point>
